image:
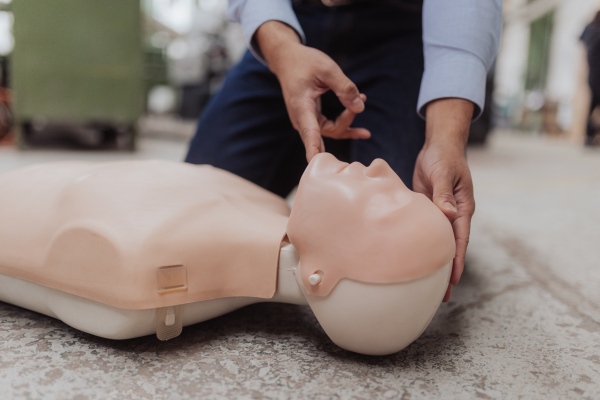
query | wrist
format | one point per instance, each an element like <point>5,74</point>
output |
<point>273,38</point>
<point>447,123</point>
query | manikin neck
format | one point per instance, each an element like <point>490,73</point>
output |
<point>288,290</point>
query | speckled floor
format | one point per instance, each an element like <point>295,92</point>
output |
<point>523,324</point>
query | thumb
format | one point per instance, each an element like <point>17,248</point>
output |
<point>345,89</point>
<point>443,196</point>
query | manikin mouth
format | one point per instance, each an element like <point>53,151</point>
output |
<point>343,166</point>
<point>355,167</point>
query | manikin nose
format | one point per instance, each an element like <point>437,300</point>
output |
<point>377,168</point>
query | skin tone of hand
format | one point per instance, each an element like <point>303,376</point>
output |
<point>305,74</point>
<point>441,171</point>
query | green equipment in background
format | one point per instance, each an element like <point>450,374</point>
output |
<point>79,63</point>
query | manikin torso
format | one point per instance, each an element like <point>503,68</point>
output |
<point>155,245</point>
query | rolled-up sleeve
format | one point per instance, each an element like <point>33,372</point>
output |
<point>460,39</point>
<point>253,13</point>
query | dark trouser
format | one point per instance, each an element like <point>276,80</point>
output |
<point>245,128</point>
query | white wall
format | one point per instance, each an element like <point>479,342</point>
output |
<point>570,19</point>
<point>571,16</point>
<point>512,61</point>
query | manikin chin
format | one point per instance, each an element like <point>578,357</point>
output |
<point>127,249</point>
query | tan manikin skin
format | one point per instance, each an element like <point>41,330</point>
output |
<point>148,235</point>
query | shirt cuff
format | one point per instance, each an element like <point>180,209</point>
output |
<point>257,12</point>
<point>457,74</point>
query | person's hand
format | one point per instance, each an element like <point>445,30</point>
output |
<point>305,74</point>
<point>442,173</point>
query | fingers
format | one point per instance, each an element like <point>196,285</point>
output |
<point>311,124</point>
<point>448,293</point>
<point>340,128</point>
<point>443,195</point>
<point>344,89</point>
<point>457,203</point>
<point>462,229</point>
<point>310,132</point>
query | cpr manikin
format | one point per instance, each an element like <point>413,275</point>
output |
<point>132,248</point>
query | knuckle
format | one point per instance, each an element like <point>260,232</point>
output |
<point>295,103</point>
<point>328,66</point>
<point>330,71</point>
<point>471,211</point>
<point>465,242</point>
<point>307,133</point>
<point>444,196</point>
<point>350,89</point>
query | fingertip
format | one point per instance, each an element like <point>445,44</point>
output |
<point>364,134</point>
<point>314,149</point>
<point>448,294</point>
<point>454,280</point>
<point>456,273</point>
<point>457,269</point>
<point>357,105</point>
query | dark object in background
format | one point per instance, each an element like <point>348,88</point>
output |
<point>6,118</point>
<point>481,128</point>
<point>92,136</point>
<point>591,38</point>
<point>193,99</point>
<point>4,71</point>
<point>78,64</point>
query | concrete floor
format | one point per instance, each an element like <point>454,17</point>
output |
<point>524,323</point>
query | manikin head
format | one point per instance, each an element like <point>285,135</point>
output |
<point>368,241</point>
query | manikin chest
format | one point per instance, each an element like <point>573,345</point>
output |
<point>140,235</point>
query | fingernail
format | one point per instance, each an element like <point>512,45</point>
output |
<point>449,206</point>
<point>357,101</point>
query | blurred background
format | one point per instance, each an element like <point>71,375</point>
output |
<point>101,74</point>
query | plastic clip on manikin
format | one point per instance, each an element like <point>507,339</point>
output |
<point>169,322</point>
<point>128,249</point>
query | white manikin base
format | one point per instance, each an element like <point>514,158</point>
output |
<point>400,312</point>
<point>115,323</point>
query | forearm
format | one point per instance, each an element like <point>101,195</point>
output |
<point>447,123</point>
<point>252,14</point>
<point>273,38</point>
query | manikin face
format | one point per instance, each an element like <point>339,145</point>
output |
<point>362,223</point>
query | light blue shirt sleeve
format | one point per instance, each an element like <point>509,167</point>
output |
<point>460,41</point>
<point>253,13</point>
